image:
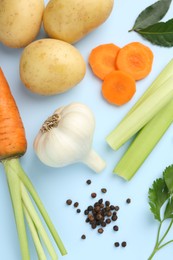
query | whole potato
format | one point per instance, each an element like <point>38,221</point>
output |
<point>71,20</point>
<point>20,21</point>
<point>50,66</point>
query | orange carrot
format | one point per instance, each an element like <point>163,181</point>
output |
<point>118,87</point>
<point>136,59</point>
<point>12,134</point>
<point>102,59</point>
<point>13,144</point>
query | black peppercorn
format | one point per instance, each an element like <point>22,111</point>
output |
<point>116,244</point>
<point>107,203</point>
<point>112,207</point>
<point>115,228</point>
<point>76,204</point>
<point>90,208</point>
<point>83,236</point>
<point>86,212</point>
<point>100,230</point>
<point>93,195</point>
<point>100,201</point>
<point>88,182</point>
<point>103,190</point>
<point>103,224</point>
<point>117,208</point>
<point>128,200</point>
<point>108,221</point>
<point>114,217</point>
<point>93,225</point>
<point>69,202</point>
<point>123,244</point>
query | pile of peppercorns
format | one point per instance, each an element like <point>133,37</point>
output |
<point>100,214</point>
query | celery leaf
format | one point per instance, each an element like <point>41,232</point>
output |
<point>168,177</point>
<point>169,209</point>
<point>157,195</point>
<point>151,15</point>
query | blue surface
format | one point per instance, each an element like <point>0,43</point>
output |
<point>136,223</point>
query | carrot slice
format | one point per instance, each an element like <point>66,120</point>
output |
<point>12,135</point>
<point>118,87</point>
<point>136,59</point>
<point>102,59</point>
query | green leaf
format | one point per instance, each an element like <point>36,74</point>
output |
<point>157,195</point>
<point>151,15</point>
<point>169,209</point>
<point>168,177</point>
<point>159,34</point>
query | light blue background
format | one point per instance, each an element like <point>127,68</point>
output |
<point>136,224</point>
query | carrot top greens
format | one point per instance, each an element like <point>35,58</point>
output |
<point>161,205</point>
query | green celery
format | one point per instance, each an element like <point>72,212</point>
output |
<point>144,142</point>
<point>142,114</point>
<point>160,79</point>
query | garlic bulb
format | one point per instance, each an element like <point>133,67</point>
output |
<point>66,138</point>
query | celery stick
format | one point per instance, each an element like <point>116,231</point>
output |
<point>163,76</point>
<point>141,115</point>
<point>144,143</point>
<point>160,79</point>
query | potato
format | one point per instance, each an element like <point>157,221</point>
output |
<point>50,66</point>
<point>70,21</point>
<point>20,21</point>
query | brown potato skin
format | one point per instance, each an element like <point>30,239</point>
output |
<point>20,21</point>
<point>70,21</point>
<point>50,67</point>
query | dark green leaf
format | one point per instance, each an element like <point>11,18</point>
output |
<point>152,14</point>
<point>168,177</point>
<point>169,209</point>
<point>159,34</point>
<point>157,195</point>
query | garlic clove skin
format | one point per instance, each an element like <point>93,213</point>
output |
<point>66,138</point>
<point>94,161</point>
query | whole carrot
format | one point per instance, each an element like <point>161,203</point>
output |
<point>12,134</point>
<point>13,144</point>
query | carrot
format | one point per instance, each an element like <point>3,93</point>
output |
<point>136,59</point>
<point>13,144</point>
<point>118,87</point>
<point>102,59</point>
<point>12,134</point>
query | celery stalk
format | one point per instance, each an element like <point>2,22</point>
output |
<point>142,114</point>
<point>144,143</point>
<point>160,79</point>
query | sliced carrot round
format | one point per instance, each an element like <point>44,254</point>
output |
<point>102,59</point>
<point>118,87</point>
<point>136,59</point>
